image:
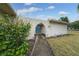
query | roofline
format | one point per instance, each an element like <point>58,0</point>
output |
<point>9,10</point>
<point>58,22</point>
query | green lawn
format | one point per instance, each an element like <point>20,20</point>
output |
<point>65,45</point>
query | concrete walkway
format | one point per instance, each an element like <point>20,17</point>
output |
<point>42,48</point>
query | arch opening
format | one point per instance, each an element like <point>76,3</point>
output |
<point>40,29</point>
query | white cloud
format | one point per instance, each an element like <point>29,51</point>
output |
<point>63,13</point>
<point>29,10</point>
<point>44,17</point>
<point>51,7</point>
<point>27,4</point>
<point>39,16</point>
<point>50,17</point>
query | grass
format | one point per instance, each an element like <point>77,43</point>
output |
<point>65,45</point>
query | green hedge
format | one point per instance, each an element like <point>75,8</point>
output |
<point>13,38</point>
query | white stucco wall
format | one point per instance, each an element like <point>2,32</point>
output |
<point>53,29</point>
<point>50,29</point>
<point>34,23</point>
<point>56,29</point>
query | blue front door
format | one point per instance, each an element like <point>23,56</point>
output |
<point>38,29</point>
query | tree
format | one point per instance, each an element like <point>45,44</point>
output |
<point>74,25</point>
<point>78,8</point>
<point>65,19</point>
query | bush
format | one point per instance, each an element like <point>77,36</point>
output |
<point>13,38</point>
<point>74,25</point>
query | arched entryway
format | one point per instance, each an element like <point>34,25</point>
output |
<point>40,29</point>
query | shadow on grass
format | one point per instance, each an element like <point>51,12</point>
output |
<point>60,36</point>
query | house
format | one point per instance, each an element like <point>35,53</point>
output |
<point>48,28</point>
<point>5,9</point>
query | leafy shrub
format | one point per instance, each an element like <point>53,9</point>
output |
<point>13,38</point>
<point>74,25</point>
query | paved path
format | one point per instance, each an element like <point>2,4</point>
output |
<point>42,48</point>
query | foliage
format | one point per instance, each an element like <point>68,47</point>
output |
<point>78,8</point>
<point>13,37</point>
<point>74,25</point>
<point>64,19</point>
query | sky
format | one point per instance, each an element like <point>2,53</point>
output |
<point>46,11</point>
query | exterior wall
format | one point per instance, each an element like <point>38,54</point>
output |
<point>33,27</point>
<point>31,34</point>
<point>56,29</point>
<point>53,29</point>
